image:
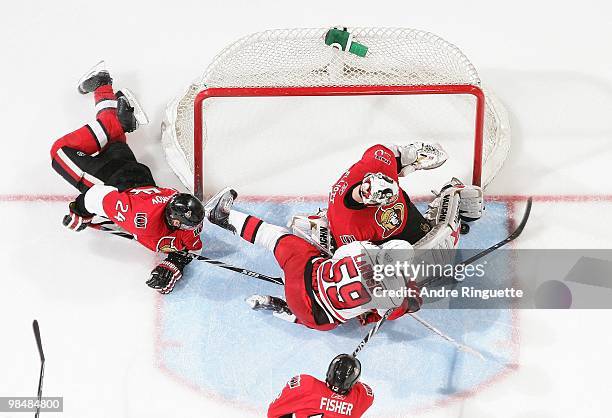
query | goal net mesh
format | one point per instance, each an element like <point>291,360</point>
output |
<point>300,58</point>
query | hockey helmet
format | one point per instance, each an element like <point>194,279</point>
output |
<point>343,373</point>
<point>184,211</point>
<point>378,189</point>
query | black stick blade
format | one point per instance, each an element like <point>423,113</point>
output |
<point>38,340</point>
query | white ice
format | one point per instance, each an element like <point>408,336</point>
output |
<point>549,62</point>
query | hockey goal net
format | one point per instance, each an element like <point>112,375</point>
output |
<point>297,64</point>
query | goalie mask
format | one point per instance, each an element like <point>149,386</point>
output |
<point>184,211</point>
<point>343,373</point>
<point>378,189</point>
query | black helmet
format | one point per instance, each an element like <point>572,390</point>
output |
<point>184,211</point>
<point>343,373</point>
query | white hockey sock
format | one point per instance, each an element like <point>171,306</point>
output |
<point>255,230</point>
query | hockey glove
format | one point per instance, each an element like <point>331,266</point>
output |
<point>418,156</point>
<point>369,317</point>
<point>168,272</point>
<point>78,219</point>
<point>411,304</point>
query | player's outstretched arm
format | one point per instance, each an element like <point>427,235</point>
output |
<point>86,206</point>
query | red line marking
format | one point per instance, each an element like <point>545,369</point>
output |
<point>314,198</point>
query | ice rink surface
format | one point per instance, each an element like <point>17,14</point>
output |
<point>115,348</point>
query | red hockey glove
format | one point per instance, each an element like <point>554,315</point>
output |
<point>77,220</point>
<point>369,317</point>
<point>410,304</point>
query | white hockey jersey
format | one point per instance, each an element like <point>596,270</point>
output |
<point>346,285</point>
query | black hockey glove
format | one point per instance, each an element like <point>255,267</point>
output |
<point>168,272</point>
<point>78,219</point>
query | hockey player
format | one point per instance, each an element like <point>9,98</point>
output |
<point>341,395</point>
<point>320,292</point>
<point>366,203</point>
<point>97,160</point>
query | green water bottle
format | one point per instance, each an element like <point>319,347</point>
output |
<point>342,39</point>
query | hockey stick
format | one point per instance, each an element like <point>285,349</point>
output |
<point>250,273</point>
<point>514,235</point>
<point>462,347</point>
<point>105,227</point>
<point>436,331</point>
<point>42,364</point>
<point>371,333</point>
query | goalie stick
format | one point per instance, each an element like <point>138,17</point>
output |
<point>42,364</point>
<point>515,234</point>
<point>107,226</point>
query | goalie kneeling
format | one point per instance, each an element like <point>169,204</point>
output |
<point>322,292</point>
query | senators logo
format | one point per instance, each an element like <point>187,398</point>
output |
<point>390,218</point>
<point>166,244</point>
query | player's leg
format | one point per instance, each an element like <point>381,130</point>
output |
<point>293,254</point>
<point>250,228</point>
<point>72,154</point>
<point>120,112</point>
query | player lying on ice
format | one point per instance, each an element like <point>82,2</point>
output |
<point>321,292</point>
<point>97,160</point>
<point>340,395</point>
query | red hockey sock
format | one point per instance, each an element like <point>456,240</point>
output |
<point>256,231</point>
<point>106,113</point>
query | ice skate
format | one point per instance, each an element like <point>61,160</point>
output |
<point>218,208</point>
<point>129,111</point>
<point>97,76</point>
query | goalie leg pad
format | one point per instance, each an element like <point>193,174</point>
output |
<point>314,229</point>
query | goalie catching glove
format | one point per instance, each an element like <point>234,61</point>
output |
<point>418,156</point>
<point>168,272</point>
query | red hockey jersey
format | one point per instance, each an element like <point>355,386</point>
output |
<point>140,211</point>
<point>306,397</point>
<point>366,223</point>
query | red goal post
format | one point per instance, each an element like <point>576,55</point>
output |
<point>410,62</point>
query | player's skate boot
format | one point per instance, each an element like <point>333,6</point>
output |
<point>218,208</point>
<point>278,306</point>
<point>129,111</point>
<point>97,76</point>
<point>266,302</point>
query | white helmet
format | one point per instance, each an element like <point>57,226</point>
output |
<point>390,253</point>
<point>378,189</point>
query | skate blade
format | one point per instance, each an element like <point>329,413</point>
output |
<point>213,200</point>
<point>139,113</point>
<point>100,66</point>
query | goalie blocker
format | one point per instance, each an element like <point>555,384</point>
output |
<point>455,203</point>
